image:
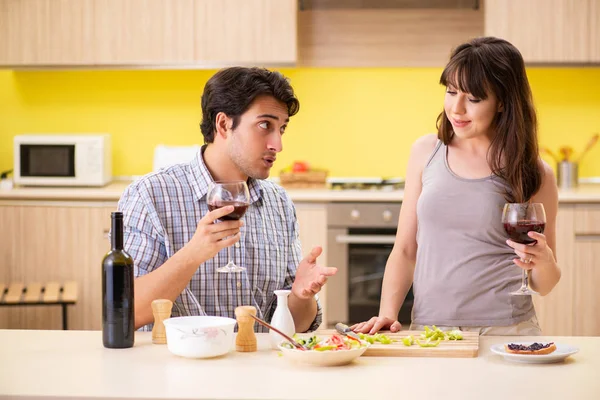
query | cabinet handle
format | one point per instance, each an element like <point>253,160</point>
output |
<point>366,239</point>
<point>387,216</point>
<point>106,234</point>
<point>587,236</point>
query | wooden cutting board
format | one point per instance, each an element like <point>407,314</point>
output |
<point>468,347</point>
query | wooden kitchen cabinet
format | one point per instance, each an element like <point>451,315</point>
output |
<point>595,30</point>
<point>130,33</point>
<point>572,307</point>
<point>46,32</point>
<point>312,221</point>
<point>96,32</point>
<point>57,241</point>
<point>555,310</point>
<point>546,31</point>
<point>586,296</point>
<point>143,32</point>
<point>251,32</point>
<point>46,241</point>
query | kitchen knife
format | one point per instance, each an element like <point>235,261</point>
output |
<point>346,331</point>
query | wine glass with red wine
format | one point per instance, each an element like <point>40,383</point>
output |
<point>519,219</point>
<point>234,194</point>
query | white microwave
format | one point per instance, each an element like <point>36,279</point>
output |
<point>62,160</point>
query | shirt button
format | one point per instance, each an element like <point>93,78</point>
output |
<point>239,284</point>
<point>237,244</point>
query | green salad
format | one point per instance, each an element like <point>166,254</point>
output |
<point>431,337</point>
<point>332,343</point>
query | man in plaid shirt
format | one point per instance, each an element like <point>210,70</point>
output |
<point>172,237</point>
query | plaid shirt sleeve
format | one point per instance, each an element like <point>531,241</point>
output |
<point>295,252</point>
<point>142,238</point>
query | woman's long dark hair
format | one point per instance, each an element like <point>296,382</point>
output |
<point>489,64</point>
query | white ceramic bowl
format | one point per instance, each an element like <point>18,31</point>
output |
<point>322,358</point>
<point>199,336</point>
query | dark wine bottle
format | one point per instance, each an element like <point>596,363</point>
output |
<point>117,291</point>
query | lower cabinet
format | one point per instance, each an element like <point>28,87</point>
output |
<point>64,241</point>
<point>312,220</point>
<point>54,241</point>
<point>572,307</point>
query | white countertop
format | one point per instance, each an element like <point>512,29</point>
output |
<point>59,364</point>
<point>585,193</point>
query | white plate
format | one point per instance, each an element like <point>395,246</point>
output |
<point>562,351</point>
<point>322,358</point>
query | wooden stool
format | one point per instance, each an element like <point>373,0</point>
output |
<point>40,294</point>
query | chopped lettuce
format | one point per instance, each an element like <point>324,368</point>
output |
<point>378,337</point>
<point>408,341</point>
<point>428,343</point>
<point>431,337</point>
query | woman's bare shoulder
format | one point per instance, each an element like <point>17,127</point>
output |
<point>548,191</point>
<point>423,147</point>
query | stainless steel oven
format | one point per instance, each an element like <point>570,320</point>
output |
<point>360,237</point>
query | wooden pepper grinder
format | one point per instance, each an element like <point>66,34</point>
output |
<point>245,340</point>
<point>161,308</point>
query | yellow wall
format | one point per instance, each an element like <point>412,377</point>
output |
<point>355,122</point>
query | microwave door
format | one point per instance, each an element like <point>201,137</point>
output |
<point>47,160</point>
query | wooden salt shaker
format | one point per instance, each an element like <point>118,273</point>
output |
<point>245,340</point>
<point>161,308</point>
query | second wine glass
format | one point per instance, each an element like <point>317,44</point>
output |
<point>519,219</point>
<point>236,194</point>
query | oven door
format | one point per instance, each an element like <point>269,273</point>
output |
<point>360,254</point>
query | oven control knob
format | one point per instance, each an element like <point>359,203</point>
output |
<point>355,215</point>
<point>387,216</point>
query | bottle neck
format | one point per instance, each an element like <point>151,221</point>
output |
<point>116,233</point>
<point>282,300</point>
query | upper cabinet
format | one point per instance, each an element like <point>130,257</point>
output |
<point>394,37</point>
<point>311,33</point>
<point>184,33</point>
<point>595,30</point>
<point>246,31</point>
<point>46,32</point>
<point>142,31</point>
<point>547,31</point>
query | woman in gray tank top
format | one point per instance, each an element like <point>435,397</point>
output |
<point>451,245</point>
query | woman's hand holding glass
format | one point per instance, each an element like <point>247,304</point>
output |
<point>533,256</point>
<point>525,223</point>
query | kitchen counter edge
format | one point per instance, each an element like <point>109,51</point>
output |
<point>587,193</point>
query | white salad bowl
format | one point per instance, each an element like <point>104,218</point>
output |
<point>199,336</point>
<point>326,358</point>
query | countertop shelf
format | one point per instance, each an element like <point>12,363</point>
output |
<point>585,193</point>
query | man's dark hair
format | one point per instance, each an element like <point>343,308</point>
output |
<point>232,91</point>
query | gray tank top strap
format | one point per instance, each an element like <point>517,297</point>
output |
<point>438,144</point>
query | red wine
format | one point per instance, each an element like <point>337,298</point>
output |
<point>239,209</point>
<point>517,231</point>
<point>117,291</point>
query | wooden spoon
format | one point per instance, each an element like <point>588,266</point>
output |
<point>289,339</point>
<point>566,152</point>
<point>551,154</point>
<point>587,148</point>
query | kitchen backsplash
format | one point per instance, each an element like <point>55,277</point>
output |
<point>352,121</point>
